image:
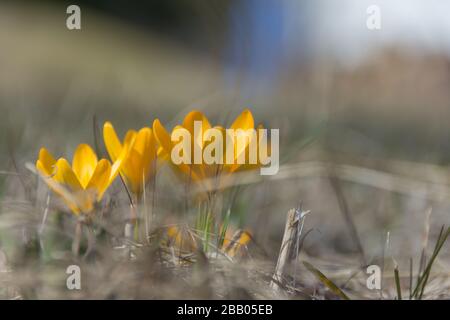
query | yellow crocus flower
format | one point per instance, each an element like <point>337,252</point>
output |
<point>233,242</point>
<point>207,172</point>
<point>83,183</point>
<point>140,165</point>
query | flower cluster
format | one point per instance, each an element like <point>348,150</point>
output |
<point>137,157</point>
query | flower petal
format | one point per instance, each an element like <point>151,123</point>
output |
<point>214,170</point>
<point>244,121</point>
<point>239,240</point>
<point>84,163</point>
<point>193,116</point>
<point>143,155</point>
<point>74,198</point>
<point>118,164</point>
<point>165,142</point>
<point>130,137</point>
<point>189,122</point>
<point>123,163</point>
<point>181,238</point>
<point>112,142</point>
<point>57,187</point>
<point>162,136</point>
<point>100,179</point>
<point>47,162</point>
<point>133,168</point>
<point>65,175</point>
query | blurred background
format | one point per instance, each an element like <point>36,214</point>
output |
<point>308,62</point>
<point>363,114</point>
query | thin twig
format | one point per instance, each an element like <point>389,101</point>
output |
<point>345,210</point>
<point>77,239</point>
<point>290,237</point>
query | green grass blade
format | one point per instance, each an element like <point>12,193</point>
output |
<point>423,278</point>
<point>410,277</point>
<point>327,282</point>
<point>223,228</point>
<point>397,283</point>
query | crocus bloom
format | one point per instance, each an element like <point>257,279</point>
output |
<point>204,173</point>
<point>233,242</point>
<point>236,242</point>
<point>140,164</point>
<point>83,183</point>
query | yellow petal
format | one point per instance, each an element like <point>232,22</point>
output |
<point>213,170</point>
<point>42,168</point>
<point>182,239</point>
<point>142,142</point>
<point>191,171</point>
<point>239,240</point>
<point>140,165</point>
<point>164,140</point>
<point>261,145</point>
<point>57,187</point>
<point>46,162</point>
<point>128,145</point>
<point>130,137</point>
<point>134,170</point>
<point>100,179</point>
<point>65,175</point>
<point>46,166</point>
<point>198,170</point>
<point>189,121</point>
<point>143,155</point>
<point>84,163</point>
<point>123,162</point>
<point>112,142</point>
<point>120,162</point>
<point>76,199</point>
<point>160,152</point>
<point>244,121</point>
<point>193,116</point>
<point>117,152</point>
<point>162,136</point>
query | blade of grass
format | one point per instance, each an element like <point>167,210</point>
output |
<point>223,228</point>
<point>96,131</point>
<point>410,277</point>
<point>348,217</point>
<point>423,278</point>
<point>397,283</point>
<point>425,236</point>
<point>327,282</point>
<point>428,270</point>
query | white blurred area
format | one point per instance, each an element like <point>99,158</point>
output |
<point>269,38</point>
<point>338,28</point>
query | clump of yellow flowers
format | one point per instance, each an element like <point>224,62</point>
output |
<point>140,164</point>
<point>136,158</point>
<point>208,176</point>
<point>82,183</point>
